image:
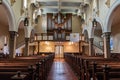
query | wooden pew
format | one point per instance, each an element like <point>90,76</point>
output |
<point>95,67</point>
<point>21,64</point>
<point>92,67</point>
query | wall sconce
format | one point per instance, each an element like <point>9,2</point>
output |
<point>12,2</point>
<point>0,1</point>
<point>94,23</point>
<point>26,22</point>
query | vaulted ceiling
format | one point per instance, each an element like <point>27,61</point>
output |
<point>3,17</point>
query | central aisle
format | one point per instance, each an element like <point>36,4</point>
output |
<point>61,71</point>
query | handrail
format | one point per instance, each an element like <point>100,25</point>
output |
<point>51,37</point>
<point>20,44</point>
<point>97,44</point>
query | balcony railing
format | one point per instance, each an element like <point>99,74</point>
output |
<point>51,37</point>
<point>98,44</point>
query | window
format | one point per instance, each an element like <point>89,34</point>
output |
<point>111,43</point>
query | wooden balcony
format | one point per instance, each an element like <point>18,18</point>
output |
<point>52,37</point>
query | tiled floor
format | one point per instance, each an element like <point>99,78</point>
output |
<point>61,71</point>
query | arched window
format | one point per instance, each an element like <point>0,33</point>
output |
<point>111,43</point>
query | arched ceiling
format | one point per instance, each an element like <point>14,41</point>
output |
<point>116,17</point>
<point>4,25</point>
<point>98,30</point>
<point>21,25</point>
<point>3,17</point>
<point>115,27</point>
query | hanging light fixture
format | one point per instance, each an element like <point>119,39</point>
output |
<point>94,23</point>
<point>26,22</point>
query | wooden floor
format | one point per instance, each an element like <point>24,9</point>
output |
<point>61,71</point>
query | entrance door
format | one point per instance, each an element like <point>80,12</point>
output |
<point>59,51</point>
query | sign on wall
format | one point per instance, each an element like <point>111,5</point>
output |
<point>74,37</point>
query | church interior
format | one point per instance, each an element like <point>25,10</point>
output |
<point>59,40</point>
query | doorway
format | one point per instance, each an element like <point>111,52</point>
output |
<point>59,51</point>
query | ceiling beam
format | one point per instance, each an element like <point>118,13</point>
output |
<point>57,12</point>
<point>61,7</point>
<point>53,7</point>
<point>77,1</point>
<point>47,0</point>
<point>69,7</point>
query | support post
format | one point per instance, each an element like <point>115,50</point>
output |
<point>26,46</point>
<point>12,44</point>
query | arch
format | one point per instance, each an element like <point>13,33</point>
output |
<point>27,30</point>
<point>19,21</point>
<point>93,29</point>
<point>101,26</point>
<point>108,21</point>
<point>100,22</point>
<point>21,34</point>
<point>85,28</point>
<point>11,16</point>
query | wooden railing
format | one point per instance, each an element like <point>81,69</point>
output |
<point>97,44</point>
<point>51,37</point>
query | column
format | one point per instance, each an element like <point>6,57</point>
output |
<point>38,47</point>
<point>26,47</point>
<point>12,44</point>
<point>107,45</point>
<point>91,52</point>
